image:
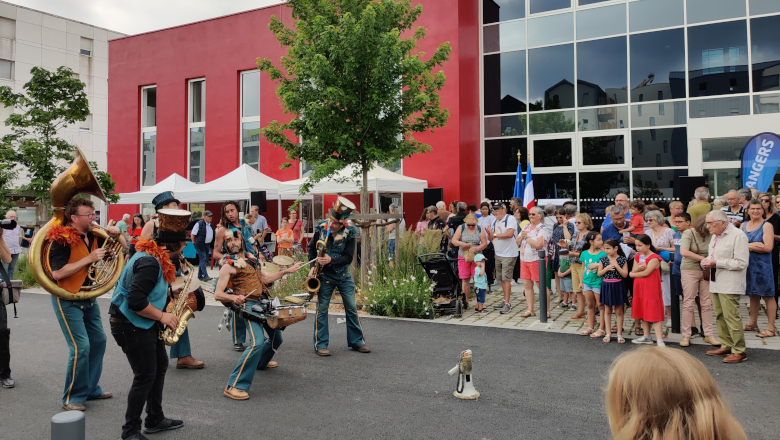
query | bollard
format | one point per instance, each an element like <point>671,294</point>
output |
<point>68,425</point>
<point>675,298</point>
<point>542,287</point>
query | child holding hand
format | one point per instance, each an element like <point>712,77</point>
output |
<point>480,282</point>
<point>637,223</point>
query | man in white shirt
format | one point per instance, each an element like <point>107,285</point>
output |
<point>13,239</point>
<point>502,235</point>
<point>259,225</point>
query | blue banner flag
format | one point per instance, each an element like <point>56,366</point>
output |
<point>760,161</point>
<point>519,184</point>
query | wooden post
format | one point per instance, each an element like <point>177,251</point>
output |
<point>398,233</point>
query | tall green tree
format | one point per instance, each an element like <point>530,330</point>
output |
<point>50,102</point>
<point>356,85</point>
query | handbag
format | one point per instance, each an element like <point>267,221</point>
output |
<point>705,274</point>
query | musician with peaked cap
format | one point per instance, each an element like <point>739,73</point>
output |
<point>339,248</point>
<point>138,315</point>
<point>182,351</point>
<point>230,220</point>
<point>73,250</point>
<point>238,273</point>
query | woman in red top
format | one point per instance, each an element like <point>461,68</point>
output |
<point>648,303</point>
<point>135,232</point>
<point>297,228</point>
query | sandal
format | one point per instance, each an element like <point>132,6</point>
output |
<point>606,339</point>
<point>598,334</point>
<point>550,316</point>
<point>767,333</point>
<point>586,332</point>
<point>576,318</point>
<point>639,331</point>
<point>620,339</point>
<point>527,314</point>
<point>750,328</point>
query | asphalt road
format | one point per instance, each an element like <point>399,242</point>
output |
<point>534,385</point>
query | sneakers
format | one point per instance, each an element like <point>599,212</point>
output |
<point>500,306</point>
<point>7,382</point>
<point>694,332</point>
<point>166,425</point>
<point>506,309</point>
<point>573,307</point>
<point>660,343</point>
<point>563,305</point>
<point>239,347</point>
<point>643,340</point>
<point>668,323</point>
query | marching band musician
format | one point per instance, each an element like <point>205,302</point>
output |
<point>181,350</point>
<point>74,248</point>
<point>138,316</point>
<point>339,248</point>
<point>237,272</point>
<point>232,221</point>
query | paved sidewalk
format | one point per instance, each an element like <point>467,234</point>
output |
<point>559,320</point>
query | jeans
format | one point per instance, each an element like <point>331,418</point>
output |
<point>149,362</point>
<point>11,267</point>
<point>5,349</point>
<point>203,259</point>
<point>354,329</point>
<point>391,249</point>
<point>83,330</point>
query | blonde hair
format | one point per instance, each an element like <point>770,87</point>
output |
<point>471,217</point>
<point>676,203</point>
<point>665,393</point>
<point>586,220</point>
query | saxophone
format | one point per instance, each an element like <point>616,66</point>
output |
<point>181,309</point>
<point>312,283</point>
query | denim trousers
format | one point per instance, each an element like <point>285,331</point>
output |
<point>203,259</point>
<point>354,329</point>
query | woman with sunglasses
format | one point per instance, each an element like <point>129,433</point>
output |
<point>773,218</point>
<point>469,238</point>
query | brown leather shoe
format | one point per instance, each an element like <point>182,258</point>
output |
<point>735,358</point>
<point>74,406</point>
<point>103,396</point>
<point>718,352</point>
<point>363,349</point>
<point>322,352</point>
<point>272,364</point>
<point>235,393</point>
<point>189,363</point>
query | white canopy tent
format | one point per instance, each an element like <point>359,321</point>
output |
<point>380,180</point>
<point>238,184</point>
<point>174,182</point>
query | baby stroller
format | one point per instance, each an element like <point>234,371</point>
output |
<point>440,271</point>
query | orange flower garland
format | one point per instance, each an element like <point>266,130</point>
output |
<point>64,235</point>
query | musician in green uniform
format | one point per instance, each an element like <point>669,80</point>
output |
<point>339,241</point>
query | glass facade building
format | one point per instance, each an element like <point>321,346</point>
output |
<point>574,86</point>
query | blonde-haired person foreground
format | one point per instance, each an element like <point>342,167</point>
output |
<point>665,393</point>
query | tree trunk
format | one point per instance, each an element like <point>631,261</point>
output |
<point>364,234</point>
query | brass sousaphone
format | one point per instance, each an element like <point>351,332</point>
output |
<point>78,179</point>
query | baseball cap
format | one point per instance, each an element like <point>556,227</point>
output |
<point>478,258</point>
<point>208,214</point>
<point>499,205</point>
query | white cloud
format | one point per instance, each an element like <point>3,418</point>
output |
<point>137,16</point>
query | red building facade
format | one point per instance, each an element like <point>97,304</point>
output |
<point>220,50</point>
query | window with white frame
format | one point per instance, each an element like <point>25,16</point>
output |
<point>6,69</point>
<point>7,28</point>
<point>250,118</point>
<point>148,135</point>
<point>86,124</point>
<point>197,130</point>
<point>86,46</point>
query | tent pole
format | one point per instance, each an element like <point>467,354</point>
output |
<point>279,217</point>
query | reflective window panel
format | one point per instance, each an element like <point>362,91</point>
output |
<point>598,191</point>
<point>661,113</point>
<point>551,77</point>
<point>725,149</point>
<point>603,118</point>
<point>501,155</point>
<point>655,186</point>
<point>551,29</point>
<point>515,125</point>
<point>721,181</point>
<point>149,159</point>
<point>654,14</point>
<point>763,104</point>
<point>502,10</point>
<point>504,37</point>
<point>717,59</point>
<point>250,144</point>
<point>765,42</point>
<point>603,150</point>
<point>198,101</point>
<point>197,154</point>
<point>758,7</point>
<point>601,72</point>
<point>601,22</point>
<point>553,122</point>
<point>700,11</point>
<point>250,94</point>
<point>670,143</point>
<point>504,83</point>
<point>590,2</point>
<point>149,99</point>
<point>657,65</point>
<point>711,108</point>
<point>500,187</point>
<point>552,153</point>
<point>538,6</point>
<point>555,186</point>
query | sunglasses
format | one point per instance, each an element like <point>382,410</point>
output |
<point>471,225</point>
<point>766,201</point>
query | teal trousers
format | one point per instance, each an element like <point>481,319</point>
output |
<point>354,330</point>
<point>258,353</point>
<point>83,330</point>
<point>238,325</point>
<point>182,347</point>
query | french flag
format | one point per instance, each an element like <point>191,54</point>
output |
<point>528,194</point>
